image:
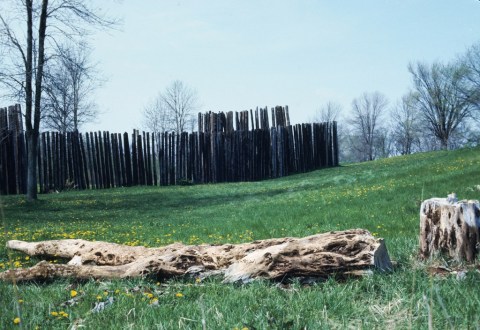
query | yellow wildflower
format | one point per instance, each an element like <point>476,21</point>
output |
<point>54,313</point>
<point>16,320</point>
<point>73,293</point>
<point>179,295</point>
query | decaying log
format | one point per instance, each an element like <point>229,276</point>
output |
<point>450,227</point>
<point>321,255</point>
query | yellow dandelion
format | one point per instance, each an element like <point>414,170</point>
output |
<point>99,297</point>
<point>198,280</point>
<point>73,293</point>
<point>54,313</point>
<point>20,301</point>
<point>179,295</point>
<point>16,320</point>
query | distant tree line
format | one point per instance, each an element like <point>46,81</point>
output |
<point>441,110</point>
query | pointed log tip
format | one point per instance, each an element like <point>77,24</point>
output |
<point>11,244</point>
<point>381,259</point>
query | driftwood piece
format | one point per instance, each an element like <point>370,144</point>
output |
<point>450,227</point>
<point>321,255</point>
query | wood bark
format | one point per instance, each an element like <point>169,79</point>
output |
<point>339,253</point>
<point>450,227</point>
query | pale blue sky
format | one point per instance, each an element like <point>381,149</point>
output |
<point>246,53</point>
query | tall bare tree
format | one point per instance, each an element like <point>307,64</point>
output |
<point>174,109</point>
<point>440,94</point>
<point>26,47</point>
<point>367,113</point>
<point>70,80</point>
<point>406,126</point>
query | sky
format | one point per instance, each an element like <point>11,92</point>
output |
<point>240,54</point>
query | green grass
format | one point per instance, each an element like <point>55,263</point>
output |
<point>382,196</point>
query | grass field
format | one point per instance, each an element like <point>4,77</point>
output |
<point>382,196</point>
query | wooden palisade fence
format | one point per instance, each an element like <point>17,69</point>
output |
<point>228,147</point>
<point>13,153</point>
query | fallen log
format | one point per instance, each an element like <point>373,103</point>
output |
<point>450,227</point>
<point>322,255</point>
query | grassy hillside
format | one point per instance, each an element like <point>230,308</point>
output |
<point>381,196</point>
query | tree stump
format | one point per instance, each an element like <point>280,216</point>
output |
<point>335,253</point>
<point>450,227</point>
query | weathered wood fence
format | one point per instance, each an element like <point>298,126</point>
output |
<point>228,147</point>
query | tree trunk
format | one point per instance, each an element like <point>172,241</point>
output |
<point>32,146</point>
<point>344,253</point>
<point>450,227</point>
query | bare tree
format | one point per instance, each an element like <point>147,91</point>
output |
<point>174,109</point>
<point>367,113</point>
<point>26,47</point>
<point>439,92</point>
<point>328,112</point>
<point>406,126</point>
<point>69,81</point>
<point>383,143</point>
<point>156,116</point>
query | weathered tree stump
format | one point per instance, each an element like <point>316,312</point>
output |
<point>450,227</point>
<point>335,253</point>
